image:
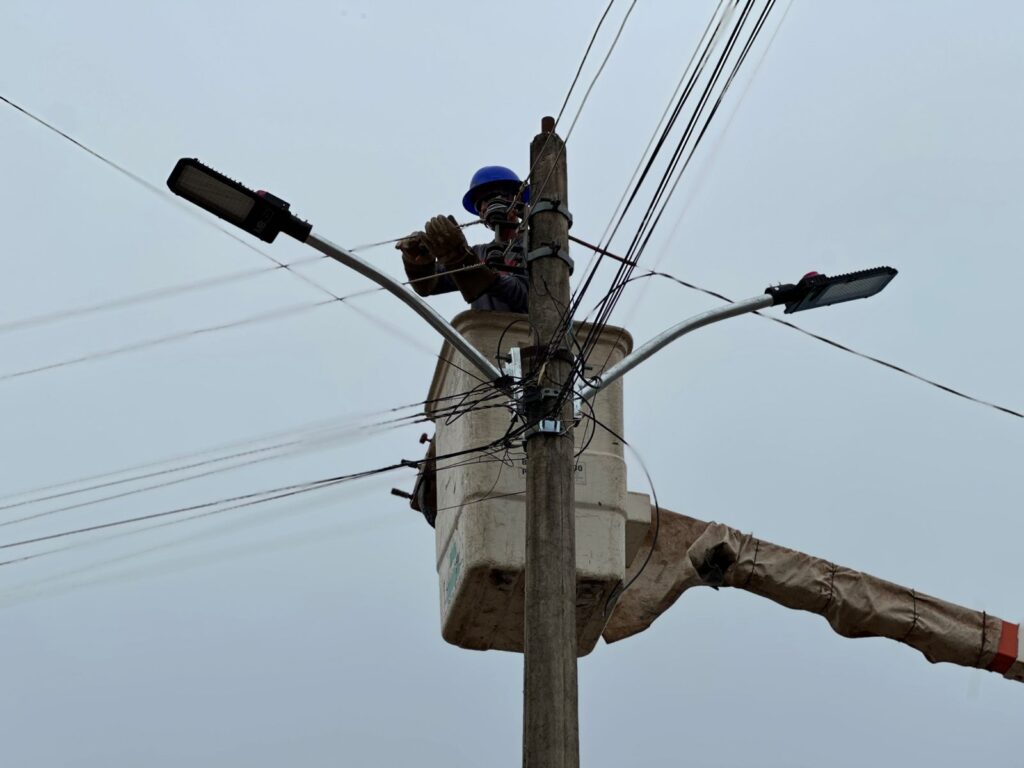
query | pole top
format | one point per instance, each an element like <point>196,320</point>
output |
<point>547,124</point>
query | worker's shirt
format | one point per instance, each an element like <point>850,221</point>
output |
<point>510,291</point>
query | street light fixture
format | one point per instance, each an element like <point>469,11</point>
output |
<point>257,212</point>
<point>816,290</point>
<point>811,292</point>
<point>265,216</point>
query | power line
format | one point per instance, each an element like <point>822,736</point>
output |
<point>257,318</point>
<point>271,494</point>
<point>294,432</point>
<point>600,69</point>
<point>203,535</point>
<point>210,512</point>
<point>246,499</point>
<point>721,135</point>
<point>250,458</point>
<point>693,71</point>
<point>282,449</point>
<point>296,447</point>
<point>159,192</point>
<point>583,61</point>
<point>649,219</point>
<point>818,337</point>
<point>164,196</point>
<point>526,180</point>
<point>139,298</point>
<point>720,13</point>
<point>201,515</point>
<point>310,432</point>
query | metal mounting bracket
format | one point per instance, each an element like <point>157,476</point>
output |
<point>550,250</point>
<point>513,370</point>
<point>547,205</point>
<point>513,366</point>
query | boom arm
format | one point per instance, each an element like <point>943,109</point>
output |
<point>690,553</point>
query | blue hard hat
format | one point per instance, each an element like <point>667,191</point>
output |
<point>488,178</point>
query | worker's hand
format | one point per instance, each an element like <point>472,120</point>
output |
<point>443,238</point>
<point>414,250</point>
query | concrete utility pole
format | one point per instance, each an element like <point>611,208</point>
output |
<point>550,706</point>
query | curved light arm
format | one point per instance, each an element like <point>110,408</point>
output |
<point>665,338</point>
<point>418,305</point>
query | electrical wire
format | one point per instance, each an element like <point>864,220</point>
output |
<point>756,67</point>
<point>164,523</point>
<point>583,61</point>
<point>600,69</point>
<point>239,448</point>
<point>164,196</point>
<point>615,595</point>
<point>292,434</point>
<point>691,74</point>
<point>262,459</point>
<point>663,203</point>
<point>310,441</point>
<point>645,228</point>
<point>257,497</point>
<point>709,34</point>
<point>135,347</point>
<point>246,499</point>
<point>818,337</point>
<point>206,330</point>
<point>705,46</point>
<point>31,589</point>
<point>517,197</point>
<point>48,318</point>
<point>158,191</point>
<point>182,288</point>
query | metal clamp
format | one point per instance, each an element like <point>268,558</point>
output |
<point>534,394</point>
<point>547,205</point>
<point>544,427</point>
<point>551,249</point>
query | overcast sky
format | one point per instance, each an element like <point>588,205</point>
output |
<point>306,631</point>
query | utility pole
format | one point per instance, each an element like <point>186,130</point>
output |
<point>550,697</point>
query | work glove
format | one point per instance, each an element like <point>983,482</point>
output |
<point>420,264</point>
<point>443,238</point>
<point>414,250</point>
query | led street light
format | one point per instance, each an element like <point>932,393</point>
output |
<point>816,290</point>
<point>258,213</point>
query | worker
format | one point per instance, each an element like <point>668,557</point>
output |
<point>491,276</point>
